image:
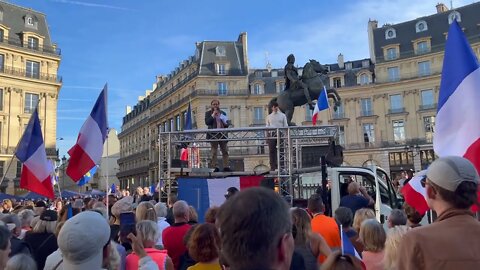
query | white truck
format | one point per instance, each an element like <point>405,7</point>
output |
<point>373,178</point>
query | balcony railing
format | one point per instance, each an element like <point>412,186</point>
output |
<point>387,144</point>
<point>20,72</point>
<point>36,49</point>
<point>396,110</point>
<point>366,113</point>
<point>425,107</point>
<point>338,115</point>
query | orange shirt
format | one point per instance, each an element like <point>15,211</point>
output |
<point>327,227</point>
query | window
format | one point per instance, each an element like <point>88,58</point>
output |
<point>308,114</point>
<point>341,135</point>
<point>337,82</point>
<point>427,99</point>
<point>31,101</point>
<point>172,124</point>
<point>258,74</point>
<point>366,104</point>
<point>178,123</point>
<point>258,116</point>
<point>393,74</point>
<point>19,169</point>
<point>421,26</point>
<point>257,89</point>
<point>220,51</point>
<point>399,131</point>
<point>221,69</point>
<point>1,35</point>
<point>1,102</point>
<point>222,88</point>
<point>2,61</point>
<point>366,63</point>
<point>340,113</point>
<point>348,65</point>
<point>32,69</point>
<point>455,15</point>
<point>429,127</point>
<point>364,79</point>
<point>30,21</point>
<point>390,33</point>
<point>368,133</point>
<point>422,47</point>
<point>280,87</point>
<point>2,165</point>
<point>391,53</point>
<point>424,68</point>
<point>32,43</point>
<point>396,104</point>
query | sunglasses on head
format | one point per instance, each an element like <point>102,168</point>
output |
<point>423,181</point>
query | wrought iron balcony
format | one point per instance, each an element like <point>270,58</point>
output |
<point>396,110</point>
<point>425,107</point>
<point>366,113</point>
<point>20,72</point>
<point>36,49</point>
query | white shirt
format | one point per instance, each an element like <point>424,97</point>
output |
<point>277,120</point>
<point>161,224</point>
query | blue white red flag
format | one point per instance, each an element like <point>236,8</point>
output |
<point>322,104</point>
<point>203,193</point>
<point>36,170</point>
<point>89,147</point>
<point>457,128</point>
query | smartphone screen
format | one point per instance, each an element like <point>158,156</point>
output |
<point>127,226</point>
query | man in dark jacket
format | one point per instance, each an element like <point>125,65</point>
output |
<point>216,119</point>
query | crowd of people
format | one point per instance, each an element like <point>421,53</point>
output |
<point>254,229</point>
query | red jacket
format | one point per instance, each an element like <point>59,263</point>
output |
<point>173,241</point>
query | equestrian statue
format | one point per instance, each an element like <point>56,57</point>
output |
<point>300,90</point>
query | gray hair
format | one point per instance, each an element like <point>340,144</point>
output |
<point>12,219</point>
<point>397,217</point>
<point>21,262</point>
<point>161,209</point>
<point>180,208</point>
<point>26,216</point>
<point>147,230</point>
<point>43,226</point>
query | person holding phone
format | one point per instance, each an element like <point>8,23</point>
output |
<point>215,118</point>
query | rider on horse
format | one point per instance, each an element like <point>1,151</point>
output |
<point>293,81</point>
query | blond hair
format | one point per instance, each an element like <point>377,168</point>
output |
<point>43,226</point>
<point>394,236</point>
<point>147,230</point>
<point>360,216</point>
<point>145,211</point>
<point>372,235</point>
<point>192,214</point>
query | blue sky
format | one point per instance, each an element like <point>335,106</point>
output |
<point>126,43</point>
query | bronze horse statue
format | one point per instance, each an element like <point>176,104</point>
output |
<point>291,98</point>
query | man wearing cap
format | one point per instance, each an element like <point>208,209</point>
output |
<point>452,241</point>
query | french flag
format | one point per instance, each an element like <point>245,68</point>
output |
<point>322,104</point>
<point>414,193</point>
<point>348,248</point>
<point>457,129</point>
<point>86,153</point>
<point>36,169</point>
<point>203,193</point>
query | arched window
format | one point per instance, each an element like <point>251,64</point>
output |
<point>364,79</point>
<point>454,15</point>
<point>390,33</point>
<point>421,26</point>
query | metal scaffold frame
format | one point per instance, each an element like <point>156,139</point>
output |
<point>245,142</point>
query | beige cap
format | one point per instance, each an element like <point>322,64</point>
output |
<point>450,171</point>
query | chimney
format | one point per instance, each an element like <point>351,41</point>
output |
<point>128,109</point>
<point>242,38</point>
<point>341,63</point>
<point>372,25</point>
<point>441,7</point>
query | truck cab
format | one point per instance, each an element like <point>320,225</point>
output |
<point>374,179</point>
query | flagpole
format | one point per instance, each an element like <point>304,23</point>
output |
<point>106,169</point>
<point>341,239</point>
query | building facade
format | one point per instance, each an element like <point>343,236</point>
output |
<point>29,64</point>
<point>386,118</point>
<point>389,119</point>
